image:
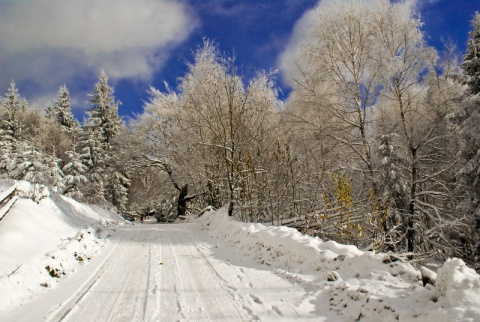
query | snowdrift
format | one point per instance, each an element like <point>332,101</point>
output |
<point>359,285</point>
<point>42,243</point>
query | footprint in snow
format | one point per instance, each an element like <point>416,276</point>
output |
<point>277,310</point>
<point>256,299</point>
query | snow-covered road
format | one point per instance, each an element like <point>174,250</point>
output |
<point>56,265</point>
<point>168,273</point>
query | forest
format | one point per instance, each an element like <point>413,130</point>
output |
<point>377,144</point>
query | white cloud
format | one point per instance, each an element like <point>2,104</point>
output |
<point>287,58</point>
<point>419,4</point>
<point>57,41</point>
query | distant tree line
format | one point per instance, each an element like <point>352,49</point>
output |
<point>377,145</point>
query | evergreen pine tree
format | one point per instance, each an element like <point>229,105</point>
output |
<point>93,156</point>
<point>471,59</point>
<point>32,165</point>
<point>97,141</point>
<point>104,113</point>
<point>49,112</point>
<point>118,188</point>
<point>19,161</point>
<point>62,110</point>
<point>467,120</point>
<point>7,153</point>
<point>392,192</point>
<point>393,187</point>
<point>75,178</point>
<point>14,108</point>
<point>54,173</point>
<point>93,153</point>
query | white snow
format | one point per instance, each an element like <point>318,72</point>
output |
<point>212,268</point>
<point>358,285</point>
<point>56,236</point>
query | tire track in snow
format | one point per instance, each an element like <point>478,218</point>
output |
<point>170,296</point>
<point>227,286</point>
<point>119,293</point>
<point>147,289</point>
<point>67,306</point>
<point>201,292</point>
<point>118,300</point>
<point>173,272</point>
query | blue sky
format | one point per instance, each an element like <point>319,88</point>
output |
<point>46,43</point>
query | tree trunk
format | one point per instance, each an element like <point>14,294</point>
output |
<point>230,207</point>
<point>411,209</point>
<point>182,202</point>
<point>183,199</point>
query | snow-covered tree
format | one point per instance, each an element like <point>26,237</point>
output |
<point>104,113</point>
<point>54,173</point>
<point>17,159</point>
<point>365,71</point>
<point>467,120</point>
<point>392,169</point>
<point>416,107</point>
<point>13,107</point>
<point>227,115</point>
<point>393,192</point>
<point>97,138</point>
<point>338,74</point>
<point>7,153</point>
<point>62,111</point>
<point>32,165</point>
<point>93,151</point>
<point>471,59</point>
<point>469,174</point>
<point>94,156</point>
<point>161,142</point>
<point>209,135</point>
<point>50,112</point>
<point>118,188</point>
<point>75,175</point>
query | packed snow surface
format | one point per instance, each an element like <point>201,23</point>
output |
<point>212,268</point>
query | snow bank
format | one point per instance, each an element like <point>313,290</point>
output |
<point>359,285</point>
<point>42,243</point>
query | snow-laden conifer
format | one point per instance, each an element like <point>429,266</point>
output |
<point>119,184</point>
<point>54,173</point>
<point>7,153</point>
<point>471,59</point>
<point>62,110</point>
<point>467,120</point>
<point>14,107</point>
<point>75,178</point>
<point>97,142</point>
<point>32,165</point>
<point>93,155</point>
<point>104,113</point>
<point>392,171</point>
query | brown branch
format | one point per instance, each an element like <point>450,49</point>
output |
<point>13,272</point>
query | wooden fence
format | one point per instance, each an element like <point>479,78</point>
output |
<point>8,198</point>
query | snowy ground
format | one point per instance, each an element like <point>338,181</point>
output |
<point>43,244</point>
<point>214,269</point>
<point>341,283</point>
